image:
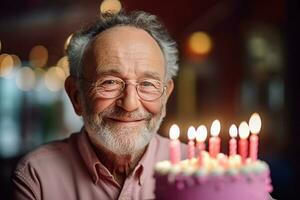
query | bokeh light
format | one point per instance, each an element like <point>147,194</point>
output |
<point>54,78</point>
<point>6,65</point>
<point>17,61</point>
<point>110,6</point>
<point>25,78</point>
<point>39,74</point>
<point>64,64</point>
<point>200,43</point>
<point>38,56</point>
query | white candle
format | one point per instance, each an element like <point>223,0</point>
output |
<point>191,143</point>
<point>255,126</point>
<point>174,144</point>
<point>243,142</point>
<point>232,142</point>
<point>214,141</point>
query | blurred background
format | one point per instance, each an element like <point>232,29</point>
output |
<point>236,57</point>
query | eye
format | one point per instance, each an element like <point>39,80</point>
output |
<point>150,86</point>
<point>147,84</point>
<point>109,82</point>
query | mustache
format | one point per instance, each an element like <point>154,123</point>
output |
<point>117,112</point>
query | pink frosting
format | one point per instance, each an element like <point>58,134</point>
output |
<point>252,186</point>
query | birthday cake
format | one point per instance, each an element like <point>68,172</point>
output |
<point>213,181</point>
<point>213,175</point>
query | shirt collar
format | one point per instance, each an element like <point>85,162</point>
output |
<point>95,167</point>
<point>146,163</point>
<point>88,155</point>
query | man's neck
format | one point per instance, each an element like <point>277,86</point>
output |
<point>120,166</point>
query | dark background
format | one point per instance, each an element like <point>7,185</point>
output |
<point>229,83</point>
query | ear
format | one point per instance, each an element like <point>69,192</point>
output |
<point>73,93</point>
<point>170,87</point>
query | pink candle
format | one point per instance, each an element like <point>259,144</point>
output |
<point>255,126</point>
<point>201,135</point>
<point>191,143</point>
<point>253,147</point>
<point>174,144</point>
<point>214,141</point>
<point>243,142</point>
<point>232,141</point>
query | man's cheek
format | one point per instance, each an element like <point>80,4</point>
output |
<point>99,106</point>
<point>154,108</point>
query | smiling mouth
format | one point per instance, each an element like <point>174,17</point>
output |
<point>126,121</point>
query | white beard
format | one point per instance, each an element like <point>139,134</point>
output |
<point>119,139</point>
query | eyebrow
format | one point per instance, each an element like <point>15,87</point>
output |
<point>114,72</point>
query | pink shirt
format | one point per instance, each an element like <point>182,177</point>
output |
<point>70,169</point>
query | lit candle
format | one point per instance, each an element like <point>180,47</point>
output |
<point>201,135</point>
<point>255,126</point>
<point>243,142</point>
<point>232,142</point>
<point>214,141</point>
<point>191,143</point>
<point>174,144</point>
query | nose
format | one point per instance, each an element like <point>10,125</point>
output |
<point>129,101</point>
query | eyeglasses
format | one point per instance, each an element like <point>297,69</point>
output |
<point>111,87</point>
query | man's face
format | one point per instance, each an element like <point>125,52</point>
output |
<point>125,124</point>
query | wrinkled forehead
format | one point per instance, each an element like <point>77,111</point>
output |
<point>125,49</point>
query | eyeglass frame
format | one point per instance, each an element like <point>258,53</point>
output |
<point>125,83</point>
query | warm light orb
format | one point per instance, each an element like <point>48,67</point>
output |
<point>215,128</point>
<point>233,131</point>
<point>54,79</point>
<point>244,130</point>
<point>255,123</point>
<point>6,65</point>
<point>200,43</point>
<point>191,133</point>
<point>201,134</point>
<point>174,132</point>
<point>110,6</point>
<point>64,64</point>
<point>25,78</point>
<point>17,60</point>
<point>38,56</point>
<point>40,75</point>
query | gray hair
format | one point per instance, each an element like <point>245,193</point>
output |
<point>138,19</point>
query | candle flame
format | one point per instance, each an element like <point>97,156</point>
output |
<point>174,132</point>
<point>191,133</point>
<point>244,130</point>
<point>201,133</point>
<point>215,128</point>
<point>255,123</point>
<point>233,131</point>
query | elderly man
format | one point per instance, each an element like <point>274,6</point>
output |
<point>121,77</point>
